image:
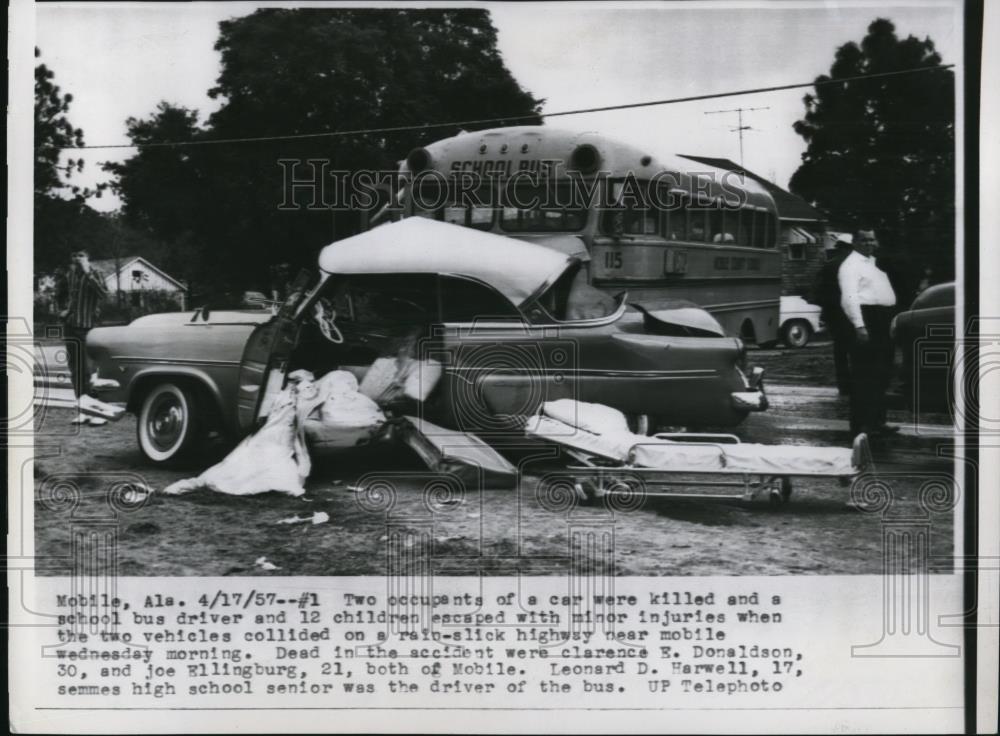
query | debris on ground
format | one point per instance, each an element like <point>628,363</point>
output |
<point>263,564</point>
<point>320,517</point>
<point>100,409</point>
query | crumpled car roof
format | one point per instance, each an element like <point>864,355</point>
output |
<point>516,269</point>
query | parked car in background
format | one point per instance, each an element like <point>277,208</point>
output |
<point>799,321</point>
<point>925,335</point>
<point>512,324</point>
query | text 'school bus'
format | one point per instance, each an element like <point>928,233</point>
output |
<point>664,229</point>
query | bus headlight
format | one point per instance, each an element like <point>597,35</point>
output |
<point>419,159</point>
<point>585,158</point>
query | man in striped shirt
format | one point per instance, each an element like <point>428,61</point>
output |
<point>83,292</point>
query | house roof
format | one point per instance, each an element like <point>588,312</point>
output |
<point>790,206</point>
<point>107,267</point>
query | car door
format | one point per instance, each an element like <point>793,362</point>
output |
<point>497,368</point>
<point>265,358</point>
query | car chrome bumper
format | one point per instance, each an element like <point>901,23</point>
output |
<point>752,398</point>
<point>749,400</point>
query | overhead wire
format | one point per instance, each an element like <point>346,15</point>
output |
<point>507,119</point>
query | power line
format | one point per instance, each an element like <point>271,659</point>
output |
<point>509,119</point>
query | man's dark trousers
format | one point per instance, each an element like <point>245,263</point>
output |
<point>871,370</point>
<point>841,331</point>
<point>76,356</point>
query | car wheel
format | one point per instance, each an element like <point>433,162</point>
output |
<point>168,423</point>
<point>796,334</point>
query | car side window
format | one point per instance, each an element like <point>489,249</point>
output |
<point>465,300</point>
<point>393,299</point>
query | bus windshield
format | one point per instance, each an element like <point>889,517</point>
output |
<point>531,209</point>
<point>541,209</point>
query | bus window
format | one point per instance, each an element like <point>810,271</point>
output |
<point>715,227</point>
<point>549,215</point>
<point>697,218</point>
<point>723,227</point>
<point>670,216</point>
<point>481,217</point>
<point>743,233</point>
<point>731,226</point>
<point>475,213</point>
<point>769,230</point>
<point>676,218</point>
<point>758,228</point>
<point>630,219</point>
<point>454,215</point>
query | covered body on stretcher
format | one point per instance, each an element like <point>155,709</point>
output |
<point>599,438</point>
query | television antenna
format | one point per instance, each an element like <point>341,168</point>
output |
<point>740,127</point>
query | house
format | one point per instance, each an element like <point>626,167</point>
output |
<point>134,276</point>
<point>800,233</point>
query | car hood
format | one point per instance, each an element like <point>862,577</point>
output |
<point>571,245</point>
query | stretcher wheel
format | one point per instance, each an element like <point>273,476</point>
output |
<point>780,492</point>
<point>587,492</point>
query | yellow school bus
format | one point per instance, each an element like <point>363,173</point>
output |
<point>666,229</point>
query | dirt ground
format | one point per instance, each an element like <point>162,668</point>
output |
<point>533,529</point>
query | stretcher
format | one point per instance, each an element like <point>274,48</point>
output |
<point>611,461</point>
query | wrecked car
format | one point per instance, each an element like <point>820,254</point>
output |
<point>499,325</point>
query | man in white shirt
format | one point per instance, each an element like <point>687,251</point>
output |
<point>867,299</point>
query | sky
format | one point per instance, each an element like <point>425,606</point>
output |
<point>119,60</point>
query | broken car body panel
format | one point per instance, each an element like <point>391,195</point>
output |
<point>513,324</point>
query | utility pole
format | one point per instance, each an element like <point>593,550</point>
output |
<point>740,127</point>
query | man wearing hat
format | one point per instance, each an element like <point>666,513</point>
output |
<point>867,299</point>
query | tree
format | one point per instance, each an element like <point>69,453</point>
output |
<point>297,72</point>
<point>53,133</point>
<point>58,205</point>
<point>881,151</point>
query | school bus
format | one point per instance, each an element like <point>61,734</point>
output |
<point>666,229</point>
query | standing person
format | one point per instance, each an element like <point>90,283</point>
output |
<point>83,291</point>
<point>827,296</point>
<point>867,299</point>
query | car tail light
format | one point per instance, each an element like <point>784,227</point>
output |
<point>741,355</point>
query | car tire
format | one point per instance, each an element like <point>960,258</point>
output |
<point>169,423</point>
<point>796,333</point>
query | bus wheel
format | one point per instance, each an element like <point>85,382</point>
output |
<point>796,333</point>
